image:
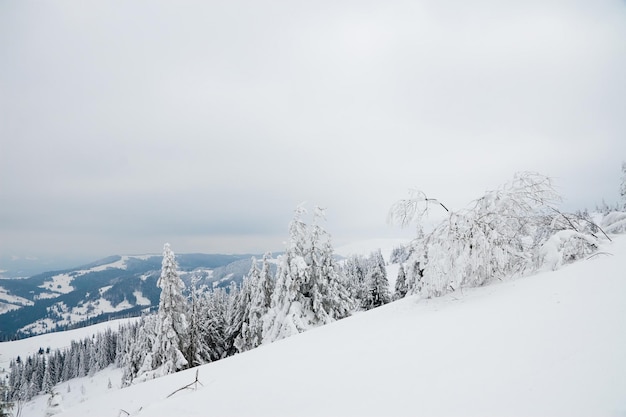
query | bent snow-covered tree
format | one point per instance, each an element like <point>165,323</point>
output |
<point>171,337</point>
<point>494,238</point>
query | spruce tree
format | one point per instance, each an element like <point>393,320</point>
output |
<point>378,284</point>
<point>172,326</point>
<point>243,339</point>
<point>401,288</point>
<point>195,346</point>
<point>213,315</point>
<point>5,404</point>
<point>261,288</point>
<point>309,289</point>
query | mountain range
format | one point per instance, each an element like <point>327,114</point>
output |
<point>113,287</point>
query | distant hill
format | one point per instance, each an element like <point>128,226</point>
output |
<point>113,287</point>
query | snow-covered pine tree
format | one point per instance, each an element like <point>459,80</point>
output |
<point>401,288</point>
<point>261,287</point>
<point>355,269</point>
<point>236,310</point>
<point>289,313</point>
<point>5,404</point>
<point>139,343</point>
<point>195,345</point>
<point>47,383</point>
<point>83,358</point>
<point>212,318</point>
<point>377,282</point>
<point>93,358</point>
<point>243,339</point>
<point>172,328</point>
<point>330,294</point>
<point>309,289</point>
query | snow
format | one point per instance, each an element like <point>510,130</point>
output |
<point>58,340</point>
<point>59,284</point>
<point>6,297</point>
<point>76,391</point>
<point>549,344</point>
<point>46,295</point>
<point>6,307</point>
<point>10,302</point>
<point>119,264</point>
<point>77,314</point>
<point>105,289</point>
<point>141,300</point>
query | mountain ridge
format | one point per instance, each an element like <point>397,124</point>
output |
<point>112,287</point>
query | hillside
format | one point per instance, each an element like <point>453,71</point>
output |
<point>548,344</point>
<point>113,287</point>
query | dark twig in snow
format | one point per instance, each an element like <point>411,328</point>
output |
<point>188,386</point>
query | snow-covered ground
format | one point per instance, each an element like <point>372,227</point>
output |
<point>547,345</point>
<point>61,283</point>
<point>13,299</point>
<point>80,313</point>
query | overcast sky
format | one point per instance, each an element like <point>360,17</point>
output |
<point>126,124</point>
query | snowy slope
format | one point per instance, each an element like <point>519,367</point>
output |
<point>58,340</point>
<point>548,345</point>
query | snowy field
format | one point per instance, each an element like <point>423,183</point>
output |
<point>547,345</point>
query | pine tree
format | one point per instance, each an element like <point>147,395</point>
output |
<point>195,345</point>
<point>401,288</point>
<point>237,307</point>
<point>83,357</point>
<point>290,311</point>
<point>243,338</point>
<point>5,404</point>
<point>92,365</point>
<point>47,383</point>
<point>377,282</point>
<point>356,269</point>
<point>261,288</point>
<point>331,295</point>
<point>139,343</point>
<point>171,320</point>
<point>213,308</point>
<point>309,289</point>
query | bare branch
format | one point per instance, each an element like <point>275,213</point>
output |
<point>188,386</point>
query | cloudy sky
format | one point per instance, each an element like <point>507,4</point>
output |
<point>126,124</point>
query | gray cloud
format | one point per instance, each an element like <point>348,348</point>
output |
<point>205,123</point>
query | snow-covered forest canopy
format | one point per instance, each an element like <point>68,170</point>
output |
<point>512,231</point>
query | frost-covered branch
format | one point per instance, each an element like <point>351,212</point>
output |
<point>413,209</point>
